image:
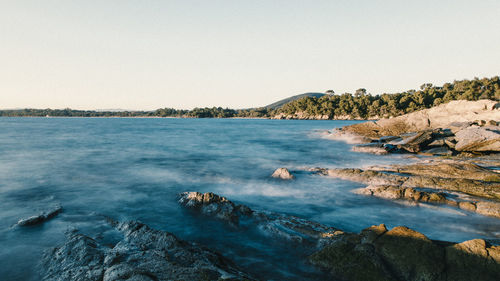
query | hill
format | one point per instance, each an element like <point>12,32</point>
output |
<point>282,102</point>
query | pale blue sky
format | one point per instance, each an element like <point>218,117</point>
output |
<point>151,54</point>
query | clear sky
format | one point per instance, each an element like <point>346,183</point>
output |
<point>150,54</point>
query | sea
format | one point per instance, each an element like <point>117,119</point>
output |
<point>135,168</point>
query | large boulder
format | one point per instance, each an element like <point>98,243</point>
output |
<point>478,139</point>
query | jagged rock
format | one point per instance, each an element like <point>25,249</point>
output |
<point>143,254</point>
<point>287,227</point>
<point>414,142</point>
<point>214,205</point>
<point>282,173</point>
<point>40,218</point>
<point>478,139</point>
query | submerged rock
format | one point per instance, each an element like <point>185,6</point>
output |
<point>40,218</point>
<point>143,254</point>
<point>282,173</point>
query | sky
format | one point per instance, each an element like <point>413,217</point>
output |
<point>150,54</point>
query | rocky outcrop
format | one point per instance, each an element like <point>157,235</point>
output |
<point>404,254</point>
<point>441,116</point>
<point>143,254</point>
<point>40,218</point>
<point>282,173</point>
<point>452,128</point>
<point>273,224</point>
<point>478,188</point>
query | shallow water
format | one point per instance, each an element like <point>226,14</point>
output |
<point>132,169</point>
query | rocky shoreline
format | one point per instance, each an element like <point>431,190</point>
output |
<point>466,179</point>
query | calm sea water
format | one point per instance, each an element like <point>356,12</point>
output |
<point>133,169</point>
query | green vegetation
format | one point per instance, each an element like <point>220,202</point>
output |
<point>359,105</point>
<point>364,106</point>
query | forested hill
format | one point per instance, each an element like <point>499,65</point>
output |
<point>282,102</point>
<point>359,105</point>
<point>362,105</point>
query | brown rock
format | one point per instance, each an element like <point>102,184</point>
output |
<point>411,255</point>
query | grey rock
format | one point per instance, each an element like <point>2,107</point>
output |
<point>40,218</point>
<point>143,254</point>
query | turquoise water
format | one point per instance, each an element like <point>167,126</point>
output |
<point>134,168</point>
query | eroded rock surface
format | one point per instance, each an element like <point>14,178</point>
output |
<point>143,254</point>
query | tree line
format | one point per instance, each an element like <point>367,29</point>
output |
<point>359,105</point>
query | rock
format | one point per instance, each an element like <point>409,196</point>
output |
<point>442,116</point>
<point>405,254</point>
<point>40,218</point>
<point>478,139</point>
<point>282,173</point>
<point>411,255</point>
<point>452,169</point>
<point>468,206</point>
<point>439,151</point>
<point>142,254</point>
<point>373,148</point>
<point>467,186</point>
<point>488,208</point>
<point>386,139</point>
<point>350,261</point>
<point>213,205</point>
<point>414,142</point>
<point>370,234</point>
<point>364,176</point>
<point>470,260</point>
<point>272,224</point>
